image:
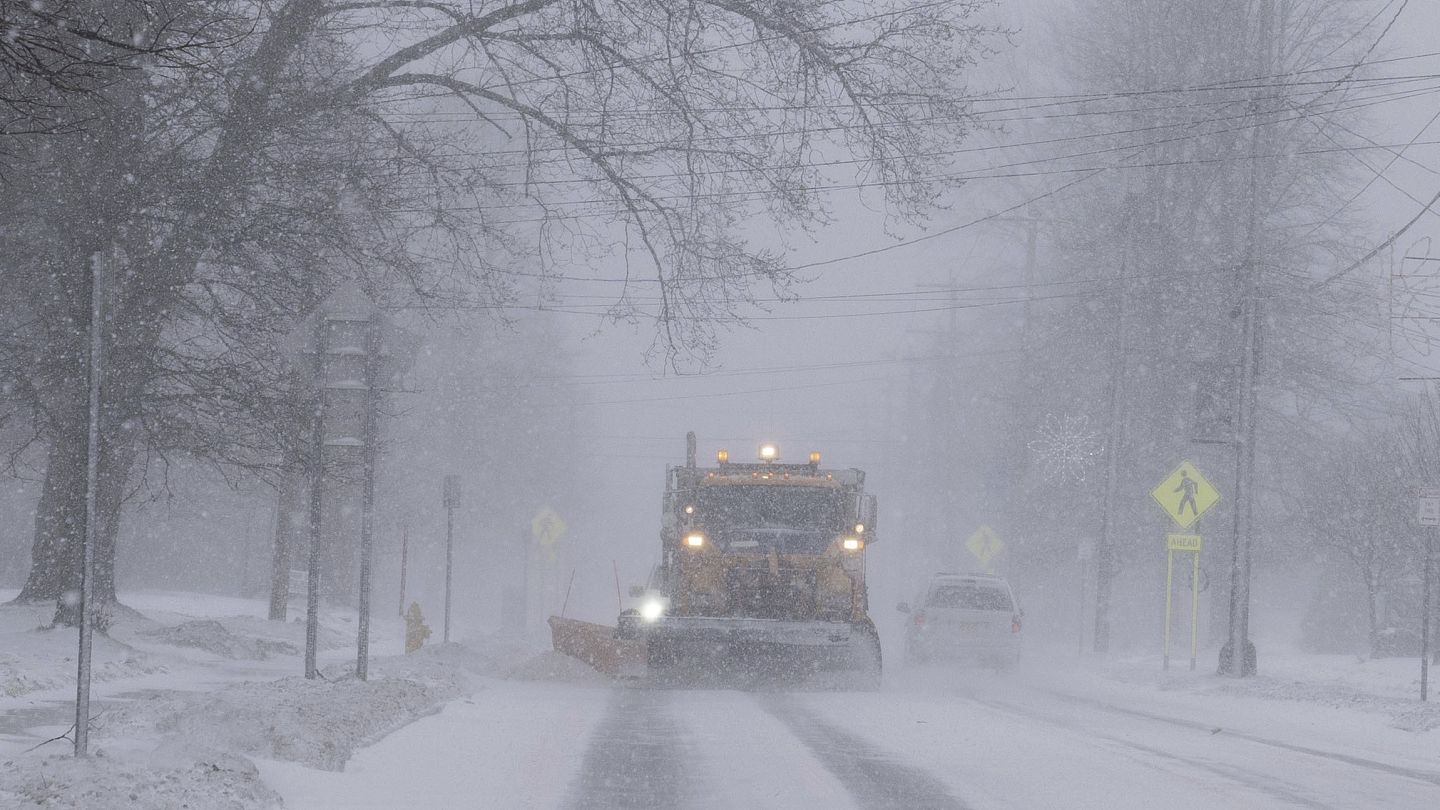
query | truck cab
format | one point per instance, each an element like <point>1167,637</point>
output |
<point>761,559</point>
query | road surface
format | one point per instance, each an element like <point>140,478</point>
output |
<point>985,745</point>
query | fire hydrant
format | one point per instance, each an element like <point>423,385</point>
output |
<point>415,630</point>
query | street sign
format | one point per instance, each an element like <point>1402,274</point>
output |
<point>1183,542</point>
<point>547,527</point>
<point>1185,495</point>
<point>1428,503</point>
<point>985,544</point>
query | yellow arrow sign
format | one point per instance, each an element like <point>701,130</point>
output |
<point>985,544</point>
<point>547,527</point>
<point>1185,494</point>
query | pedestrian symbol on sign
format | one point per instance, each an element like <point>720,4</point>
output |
<point>1188,486</point>
<point>985,545</point>
<point>1185,495</point>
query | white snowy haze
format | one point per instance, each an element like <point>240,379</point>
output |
<point>1137,233</point>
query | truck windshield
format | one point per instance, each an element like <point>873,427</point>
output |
<point>787,519</point>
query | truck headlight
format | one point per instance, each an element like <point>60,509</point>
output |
<point>852,544</point>
<point>652,609</point>
<point>695,540</point>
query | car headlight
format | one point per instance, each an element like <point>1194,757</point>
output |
<point>652,610</point>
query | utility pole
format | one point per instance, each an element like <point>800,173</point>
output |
<point>367,492</point>
<point>404,563</point>
<point>317,490</point>
<point>450,501</point>
<point>1236,658</point>
<point>1114,440</point>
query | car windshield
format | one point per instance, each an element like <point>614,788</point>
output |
<point>761,518</point>
<point>969,596</point>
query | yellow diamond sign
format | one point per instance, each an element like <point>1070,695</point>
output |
<point>1185,495</point>
<point>985,544</point>
<point>547,527</point>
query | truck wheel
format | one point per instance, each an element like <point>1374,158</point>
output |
<point>867,666</point>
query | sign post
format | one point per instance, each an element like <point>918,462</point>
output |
<point>1185,543</point>
<point>92,513</point>
<point>1428,515</point>
<point>351,347</point>
<point>1184,495</point>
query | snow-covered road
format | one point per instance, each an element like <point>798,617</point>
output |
<point>922,742</point>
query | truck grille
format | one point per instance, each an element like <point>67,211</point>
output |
<point>758,594</point>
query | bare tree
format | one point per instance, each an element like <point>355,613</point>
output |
<point>57,56</point>
<point>648,130</point>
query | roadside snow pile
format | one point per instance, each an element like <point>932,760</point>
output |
<point>35,657</point>
<point>554,666</point>
<point>318,723</point>
<point>1387,687</point>
<point>200,780</point>
<point>215,638</point>
<point>1404,713</point>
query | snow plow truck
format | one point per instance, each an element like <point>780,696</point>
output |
<point>762,568</point>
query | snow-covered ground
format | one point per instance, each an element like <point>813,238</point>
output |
<point>199,704</point>
<point>188,688</point>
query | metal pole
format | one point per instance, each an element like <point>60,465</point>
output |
<point>317,489</point>
<point>92,486</point>
<point>1194,607</point>
<point>1169,588</point>
<point>525,584</point>
<point>367,492</point>
<point>404,562</point>
<point>1080,614</point>
<point>1425,620</point>
<point>566,604</point>
<point>449,563</point>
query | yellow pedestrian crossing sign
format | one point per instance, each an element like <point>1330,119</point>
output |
<point>547,527</point>
<point>985,544</point>
<point>1185,495</point>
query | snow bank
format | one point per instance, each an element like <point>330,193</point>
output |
<point>215,638</point>
<point>35,657</point>
<point>554,666</point>
<point>318,723</point>
<point>198,779</point>
<point>1385,687</point>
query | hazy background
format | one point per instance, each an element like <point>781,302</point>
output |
<point>550,404</point>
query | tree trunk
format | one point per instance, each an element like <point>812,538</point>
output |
<point>287,501</point>
<point>59,521</point>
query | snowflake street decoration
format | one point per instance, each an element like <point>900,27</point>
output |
<point>1067,448</point>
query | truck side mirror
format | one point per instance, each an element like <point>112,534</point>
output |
<point>637,591</point>
<point>903,607</point>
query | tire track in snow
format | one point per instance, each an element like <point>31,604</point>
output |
<point>1253,780</point>
<point>874,778</point>
<point>1359,762</point>
<point>635,757</point>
